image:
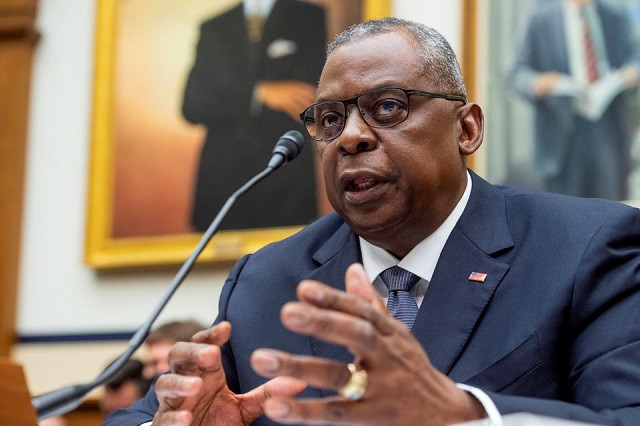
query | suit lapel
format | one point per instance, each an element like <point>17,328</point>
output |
<point>556,30</point>
<point>453,303</point>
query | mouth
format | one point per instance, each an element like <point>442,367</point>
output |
<point>361,184</point>
<point>362,187</point>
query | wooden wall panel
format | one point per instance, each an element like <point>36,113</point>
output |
<point>17,40</point>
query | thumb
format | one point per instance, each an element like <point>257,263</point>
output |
<point>358,284</point>
<point>252,402</point>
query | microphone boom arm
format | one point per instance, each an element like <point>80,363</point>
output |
<point>63,400</point>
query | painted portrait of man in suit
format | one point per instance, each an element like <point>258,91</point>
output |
<point>255,70</point>
<point>561,74</point>
<point>201,94</point>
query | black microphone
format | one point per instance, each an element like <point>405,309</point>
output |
<point>287,148</point>
<point>63,400</point>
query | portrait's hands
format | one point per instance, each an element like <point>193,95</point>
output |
<point>545,82</point>
<point>291,97</point>
<point>402,385</point>
<point>630,77</point>
<point>196,392</point>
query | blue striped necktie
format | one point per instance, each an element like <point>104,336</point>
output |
<point>401,303</point>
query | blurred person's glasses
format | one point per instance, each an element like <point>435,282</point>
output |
<point>380,108</point>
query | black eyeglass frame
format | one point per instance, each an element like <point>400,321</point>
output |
<point>354,101</point>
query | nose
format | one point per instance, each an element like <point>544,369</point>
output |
<point>357,136</point>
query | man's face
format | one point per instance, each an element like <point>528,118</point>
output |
<point>157,358</point>
<point>393,186</point>
<point>123,397</point>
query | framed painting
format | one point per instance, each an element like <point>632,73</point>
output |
<point>170,135</point>
<point>561,113</point>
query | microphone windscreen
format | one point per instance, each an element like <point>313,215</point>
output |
<point>289,145</point>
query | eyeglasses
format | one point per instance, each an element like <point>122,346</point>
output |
<point>380,108</point>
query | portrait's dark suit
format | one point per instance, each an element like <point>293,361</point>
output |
<point>553,329</point>
<point>598,150</point>
<point>241,133</point>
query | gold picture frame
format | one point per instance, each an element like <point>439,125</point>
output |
<point>103,250</point>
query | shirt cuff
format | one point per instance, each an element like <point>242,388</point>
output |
<point>493,415</point>
<point>146,424</point>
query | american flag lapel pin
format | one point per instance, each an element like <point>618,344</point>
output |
<point>477,277</point>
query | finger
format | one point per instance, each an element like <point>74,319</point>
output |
<point>253,401</point>
<point>306,86</point>
<point>327,411</point>
<point>356,334</point>
<point>326,297</point>
<point>194,359</point>
<point>172,418</point>
<point>216,335</point>
<point>294,110</point>
<point>172,389</point>
<point>317,372</point>
<point>307,98</point>
<point>304,97</point>
<point>357,283</point>
<point>294,115</point>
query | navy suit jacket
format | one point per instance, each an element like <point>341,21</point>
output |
<point>554,329</point>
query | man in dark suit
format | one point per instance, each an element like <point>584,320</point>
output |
<point>567,47</point>
<point>521,301</point>
<point>254,71</point>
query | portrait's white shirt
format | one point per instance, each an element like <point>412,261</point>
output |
<point>260,8</point>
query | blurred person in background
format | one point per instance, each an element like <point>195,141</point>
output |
<point>160,341</point>
<point>125,388</point>
<point>575,63</point>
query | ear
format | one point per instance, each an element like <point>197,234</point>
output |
<point>472,128</point>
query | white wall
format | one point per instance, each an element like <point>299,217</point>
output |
<point>58,293</point>
<point>443,15</point>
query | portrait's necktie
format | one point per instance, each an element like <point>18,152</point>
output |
<point>255,21</point>
<point>591,59</point>
<point>254,28</point>
<point>401,303</point>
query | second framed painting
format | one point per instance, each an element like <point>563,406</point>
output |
<point>558,81</point>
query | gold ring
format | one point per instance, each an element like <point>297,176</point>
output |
<point>354,389</point>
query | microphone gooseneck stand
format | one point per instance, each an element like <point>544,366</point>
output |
<point>65,399</point>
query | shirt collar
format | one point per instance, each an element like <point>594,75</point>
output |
<point>258,7</point>
<point>422,259</point>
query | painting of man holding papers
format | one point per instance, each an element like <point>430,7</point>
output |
<point>575,63</point>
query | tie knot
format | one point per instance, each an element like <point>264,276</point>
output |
<point>397,278</point>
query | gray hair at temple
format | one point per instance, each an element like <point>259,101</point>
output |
<point>434,51</point>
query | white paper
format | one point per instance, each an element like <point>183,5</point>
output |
<point>591,100</point>
<point>595,100</point>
